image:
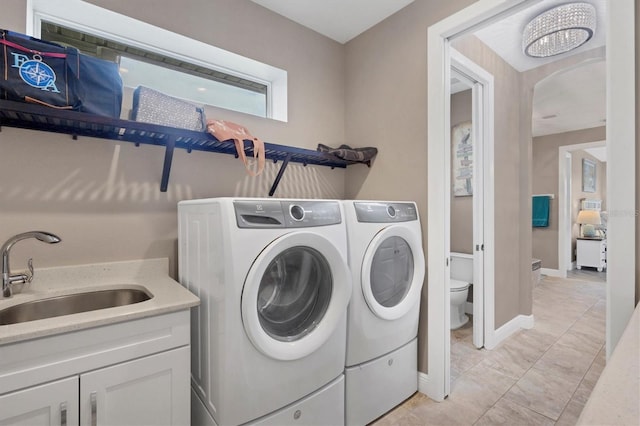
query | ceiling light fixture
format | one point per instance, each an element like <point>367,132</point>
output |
<point>559,30</point>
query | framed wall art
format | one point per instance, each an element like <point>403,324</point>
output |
<point>462,159</point>
<point>588,175</point>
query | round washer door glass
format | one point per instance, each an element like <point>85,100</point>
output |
<point>294,293</point>
<point>393,271</point>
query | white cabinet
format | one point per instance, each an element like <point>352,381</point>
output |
<point>591,252</point>
<point>51,404</point>
<point>153,390</point>
<point>141,392</point>
<point>130,373</point>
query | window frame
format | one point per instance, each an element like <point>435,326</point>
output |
<point>105,23</point>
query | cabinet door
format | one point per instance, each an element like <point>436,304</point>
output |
<point>54,403</point>
<point>153,390</point>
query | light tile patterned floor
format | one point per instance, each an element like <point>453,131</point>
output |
<point>541,376</point>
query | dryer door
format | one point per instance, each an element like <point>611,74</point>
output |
<point>295,295</point>
<point>393,272</point>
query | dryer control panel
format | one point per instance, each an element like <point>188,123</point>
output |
<point>286,214</point>
<point>381,212</point>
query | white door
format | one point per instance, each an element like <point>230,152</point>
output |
<point>481,84</point>
<point>51,404</point>
<point>478,215</point>
<point>153,390</point>
<point>294,295</point>
<point>393,272</point>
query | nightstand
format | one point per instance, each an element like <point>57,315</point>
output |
<point>592,252</point>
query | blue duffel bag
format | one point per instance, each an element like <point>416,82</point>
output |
<point>38,71</point>
<point>57,76</point>
<point>99,86</point>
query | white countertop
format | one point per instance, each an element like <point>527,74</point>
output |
<point>151,274</point>
<point>615,398</point>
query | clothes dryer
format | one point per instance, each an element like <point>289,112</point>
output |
<point>387,268</point>
<point>268,339</point>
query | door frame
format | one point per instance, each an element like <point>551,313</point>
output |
<point>621,121</point>
<point>564,203</point>
<point>483,197</point>
<point>621,149</point>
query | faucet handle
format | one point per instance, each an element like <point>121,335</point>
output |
<point>30,266</point>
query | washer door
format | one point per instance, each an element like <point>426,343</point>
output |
<point>294,295</point>
<point>393,272</point>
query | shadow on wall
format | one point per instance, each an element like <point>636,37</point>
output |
<point>298,181</point>
<point>81,185</point>
<point>356,177</point>
<point>125,184</point>
<point>103,198</point>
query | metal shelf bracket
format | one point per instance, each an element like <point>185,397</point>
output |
<point>283,167</point>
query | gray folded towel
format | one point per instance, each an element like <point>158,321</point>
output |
<point>352,155</point>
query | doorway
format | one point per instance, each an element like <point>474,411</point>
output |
<point>568,229</point>
<point>481,83</point>
<point>471,201</point>
<point>621,129</point>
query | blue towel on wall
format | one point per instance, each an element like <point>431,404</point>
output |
<point>540,211</point>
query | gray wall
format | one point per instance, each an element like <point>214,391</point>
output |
<point>545,181</point>
<point>102,197</point>
<point>461,207</point>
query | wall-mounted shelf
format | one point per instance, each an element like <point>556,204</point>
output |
<point>36,117</point>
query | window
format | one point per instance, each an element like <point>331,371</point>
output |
<point>171,76</point>
<point>233,82</point>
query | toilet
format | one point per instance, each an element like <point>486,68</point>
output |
<point>460,279</point>
<point>459,291</point>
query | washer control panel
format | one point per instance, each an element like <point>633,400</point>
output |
<point>381,212</point>
<point>286,214</point>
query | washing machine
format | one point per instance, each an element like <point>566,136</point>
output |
<point>269,337</point>
<point>387,264</point>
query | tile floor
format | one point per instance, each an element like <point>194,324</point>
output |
<point>541,376</point>
<point>588,274</point>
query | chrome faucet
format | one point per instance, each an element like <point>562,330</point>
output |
<point>7,279</point>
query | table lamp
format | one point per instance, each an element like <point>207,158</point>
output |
<point>587,219</point>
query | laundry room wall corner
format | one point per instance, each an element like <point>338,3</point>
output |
<point>386,107</point>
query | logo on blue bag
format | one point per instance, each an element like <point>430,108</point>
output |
<point>35,73</point>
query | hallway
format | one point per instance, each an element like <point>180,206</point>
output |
<point>541,376</point>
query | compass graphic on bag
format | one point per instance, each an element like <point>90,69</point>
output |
<point>37,74</point>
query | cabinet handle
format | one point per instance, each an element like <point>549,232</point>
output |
<point>94,409</point>
<point>63,414</point>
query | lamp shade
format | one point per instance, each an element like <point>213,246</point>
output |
<point>559,30</point>
<point>589,217</point>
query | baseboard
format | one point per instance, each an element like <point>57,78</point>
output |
<point>527,322</point>
<point>427,387</point>
<point>552,272</point>
<point>511,327</point>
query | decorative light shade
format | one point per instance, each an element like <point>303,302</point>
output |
<point>589,217</point>
<point>559,30</point>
